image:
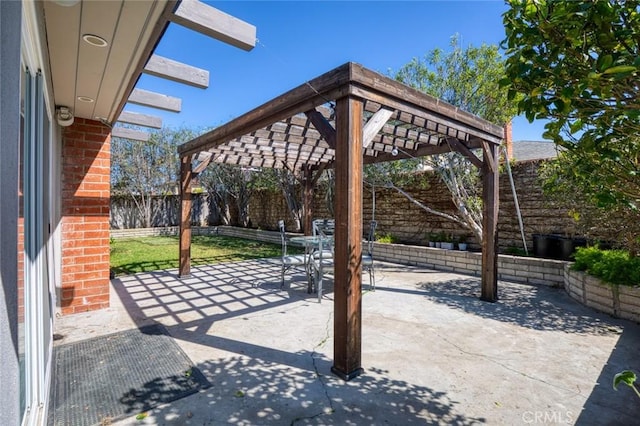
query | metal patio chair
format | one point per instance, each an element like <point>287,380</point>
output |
<point>289,261</point>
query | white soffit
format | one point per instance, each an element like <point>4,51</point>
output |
<point>97,50</point>
<point>99,76</point>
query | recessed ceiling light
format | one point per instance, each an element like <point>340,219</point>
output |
<point>95,40</point>
<point>85,99</point>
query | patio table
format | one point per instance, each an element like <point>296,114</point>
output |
<point>314,244</point>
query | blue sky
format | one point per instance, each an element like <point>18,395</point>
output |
<point>299,40</point>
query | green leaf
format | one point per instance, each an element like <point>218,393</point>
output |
<point>627,377</point>
<point>576,126</point>
<point>503,82</point>
<point>239,394</point>
<point>605,62</point>
<point>559,104</point>
<point>142,416</point>
<point>620,69</point>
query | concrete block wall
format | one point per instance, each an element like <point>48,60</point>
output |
<point>618,301</point>
<point>410,225</point>
<point>227,231</point>
<point>85,216</point>
<point>510,268</point>
<point>145,232</point>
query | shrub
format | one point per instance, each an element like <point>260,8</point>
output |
<point>612,266</point>
<point>516,251</point>
<point>386,239</point>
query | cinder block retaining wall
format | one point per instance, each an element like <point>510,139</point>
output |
<point>510,268</point>
<point>227,231</point>
<point>619,301</point>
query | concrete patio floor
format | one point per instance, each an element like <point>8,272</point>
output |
<point>433,353</point>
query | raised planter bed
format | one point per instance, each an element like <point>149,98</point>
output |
<point>618,301</point>
<point>526,270</point>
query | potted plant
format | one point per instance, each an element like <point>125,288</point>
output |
<point>431,239</point>
<point>439,239</point>
<point>462,243</point>
<point>447,242</point>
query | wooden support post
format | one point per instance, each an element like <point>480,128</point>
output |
<point>307,208</point>
<point>347,347</point>
<point>185,216</point>
<point>490,222</point>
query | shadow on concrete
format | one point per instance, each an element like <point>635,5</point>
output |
<point>257,384</point>
<point>251,390</point>
<point>534,307</point>
<point>188,307</point>
<point>550,309</point>
<point>211,293</point>
<point>623,402</point>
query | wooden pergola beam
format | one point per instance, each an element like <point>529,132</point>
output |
<point>276,134</point>
<point>212,22</point>
<point>186,175</point>
<point>132,134</point>
<point>490,209</point>
<point>347,362</point>
<point>203,164</point>
<point>323,126</point>
<point>375,124</point>
<point>157,33</point>
<point>155,100</point>
<point>140,119</point>
<point>464,150</point>
<point>423,151</point>
<point>179,72</point>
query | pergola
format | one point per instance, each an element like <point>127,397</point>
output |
<point>344,119</point>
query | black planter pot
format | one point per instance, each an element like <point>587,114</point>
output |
<point>555,246</point>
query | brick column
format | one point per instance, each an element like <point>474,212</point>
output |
<point>508,139</point>
<point>86,172</point>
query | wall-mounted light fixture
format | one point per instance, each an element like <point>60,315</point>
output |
<point>64,116</point>
<point>394,151</point>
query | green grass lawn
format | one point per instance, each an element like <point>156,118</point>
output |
<point>131,255</point>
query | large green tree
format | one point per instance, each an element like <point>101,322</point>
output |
<point>466,77</point>
<point>576,63</point>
